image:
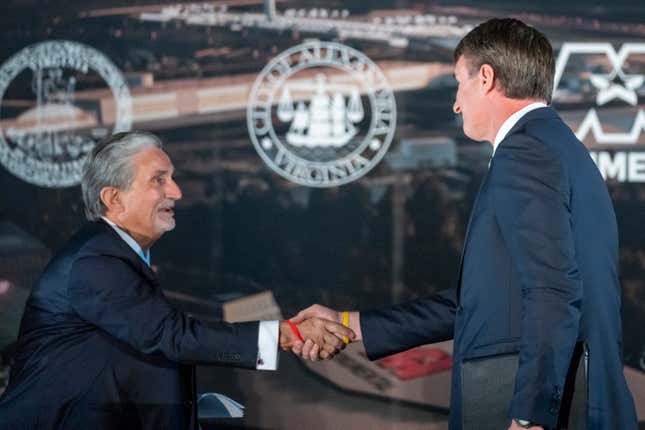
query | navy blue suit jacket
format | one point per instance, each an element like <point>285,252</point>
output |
<point>539,273</point>
<point>100,347</point>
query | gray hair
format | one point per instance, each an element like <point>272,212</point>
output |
<point>110,165</point>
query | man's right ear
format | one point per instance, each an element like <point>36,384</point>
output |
<point>111,199</point>
<point>487,77</point>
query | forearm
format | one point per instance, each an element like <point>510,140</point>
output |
<point>549,333</point>
<point>401,327</point>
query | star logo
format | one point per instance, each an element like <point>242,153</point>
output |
<point>616,85</point>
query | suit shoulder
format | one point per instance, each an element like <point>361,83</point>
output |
<point>93,239</point>
<point>551,138</point>
<point>525,156</point>
<point>527,148</point>
<point>555,135</point>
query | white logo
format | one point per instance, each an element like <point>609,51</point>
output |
<point>321,114</point>
<point>47,143</point>
<point>616,85</point>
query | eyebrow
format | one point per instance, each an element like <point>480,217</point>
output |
<point>160,173</point>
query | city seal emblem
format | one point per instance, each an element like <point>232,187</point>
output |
<point>57,99</point>
<point>321,114</point>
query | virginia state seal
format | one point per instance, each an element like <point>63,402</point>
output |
<point>321,114</point>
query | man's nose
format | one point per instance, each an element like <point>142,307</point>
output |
<point>173,192</point>
<point>456,108</point>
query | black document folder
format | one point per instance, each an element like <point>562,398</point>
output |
<point>488,383</point>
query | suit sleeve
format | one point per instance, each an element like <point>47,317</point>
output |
<point>108,293</point>
<point>401,327</point>
<point>532,204</point>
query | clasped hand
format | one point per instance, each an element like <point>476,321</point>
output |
<point>321,331</point>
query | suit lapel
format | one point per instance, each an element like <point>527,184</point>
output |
<point>122,250</point>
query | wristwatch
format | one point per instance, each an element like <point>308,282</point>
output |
<point>525,424</point>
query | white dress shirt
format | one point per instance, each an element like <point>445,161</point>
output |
<point>267,334</point>
<point>512,120</point>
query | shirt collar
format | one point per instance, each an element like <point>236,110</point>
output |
<point>145,255</point>
<point>512,120</point>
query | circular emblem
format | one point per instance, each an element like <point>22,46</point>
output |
<point>53,110</point>
<point>321,114</point>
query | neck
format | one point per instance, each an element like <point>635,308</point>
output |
<point>501,110</point>
<point>144,242</point>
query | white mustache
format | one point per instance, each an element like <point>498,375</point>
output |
<point>168,205</point>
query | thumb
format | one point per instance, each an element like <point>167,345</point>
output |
<point>300,317</point>
<point>340,330</point>
<point>305,314</point>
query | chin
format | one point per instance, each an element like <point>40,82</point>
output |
<point>470,130</point>
<point>477,138</point>
<point>165,226</point>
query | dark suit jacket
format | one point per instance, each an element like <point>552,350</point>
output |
<point>100,347</point>
<point>539,273</point>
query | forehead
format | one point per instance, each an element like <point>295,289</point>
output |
<point>461,67</point>
<point>151,160</point>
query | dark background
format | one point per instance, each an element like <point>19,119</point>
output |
<point>392,235</point>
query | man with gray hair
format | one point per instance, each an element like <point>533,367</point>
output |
<point>99,346</point>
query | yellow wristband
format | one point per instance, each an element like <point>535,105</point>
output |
<point>346,324</point>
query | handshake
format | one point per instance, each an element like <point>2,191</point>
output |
<point>323,333</point>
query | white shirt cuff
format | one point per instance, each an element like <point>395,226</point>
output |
<point>268,345</point>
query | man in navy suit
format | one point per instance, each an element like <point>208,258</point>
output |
<point>99,346</point>
<point>535,315</point>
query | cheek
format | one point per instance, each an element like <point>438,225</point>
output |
<point>129,205</point>
<point>154,203</point>
<point>465,96</point>
<point>153,208</point>
<point>143,208</point>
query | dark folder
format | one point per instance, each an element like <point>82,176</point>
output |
<point>488,383</point>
